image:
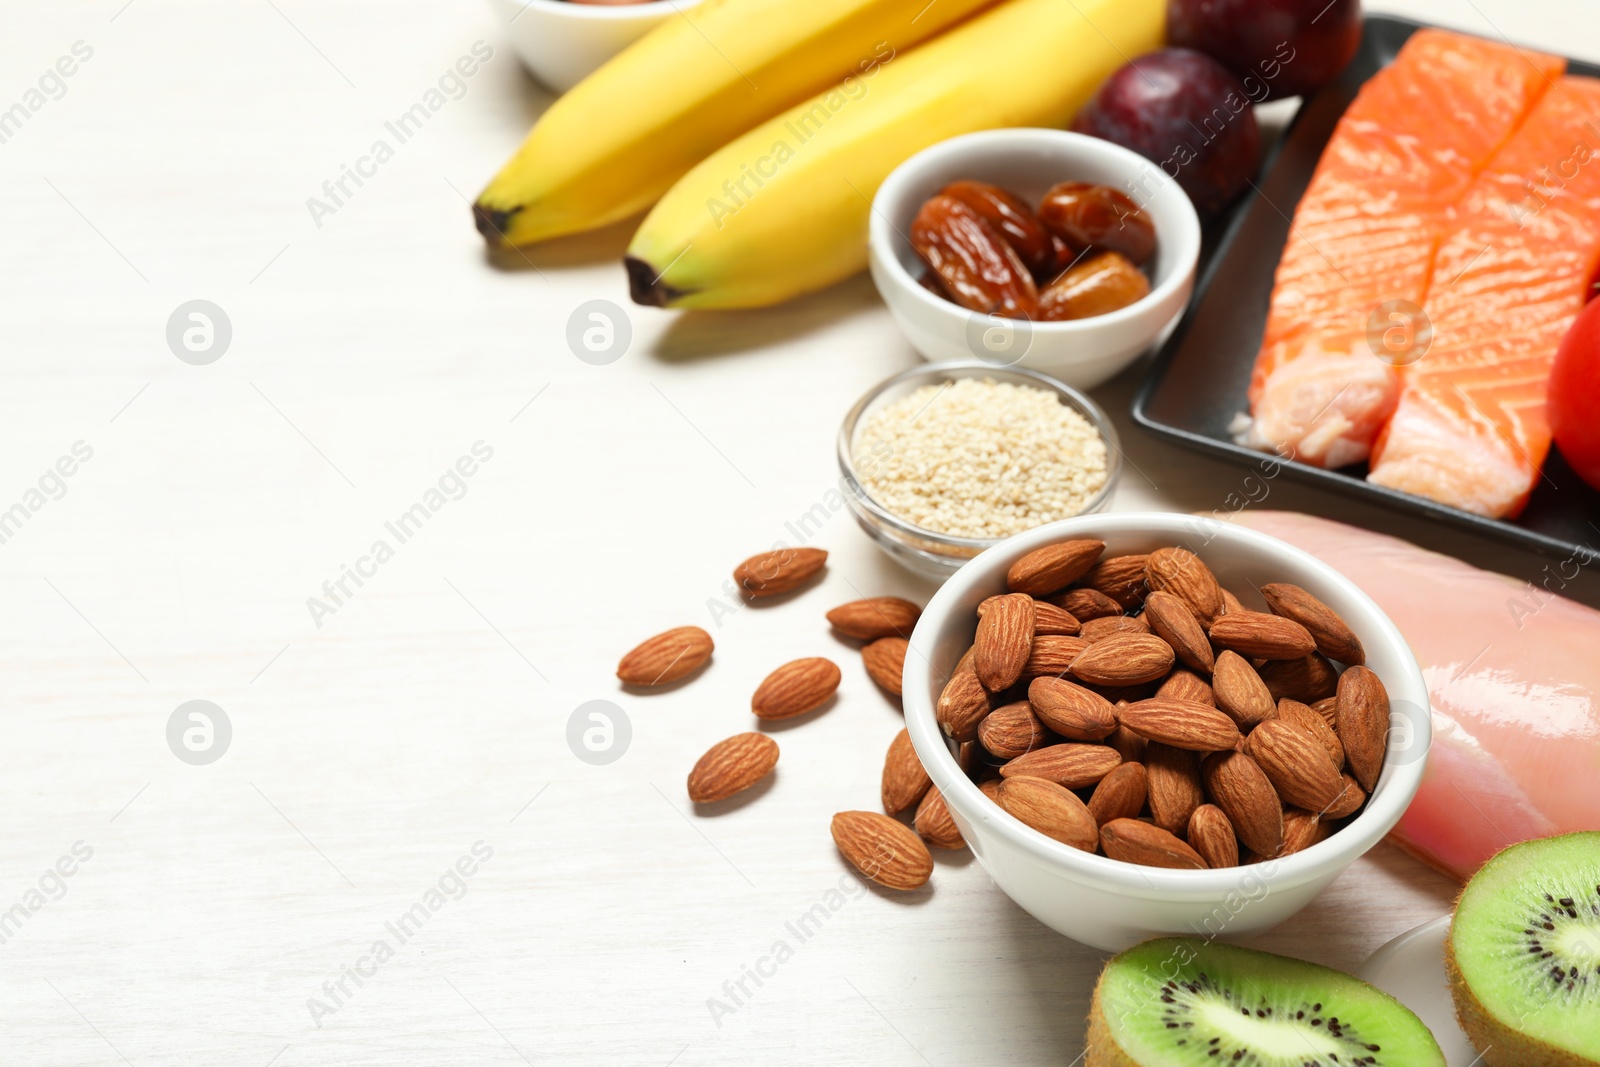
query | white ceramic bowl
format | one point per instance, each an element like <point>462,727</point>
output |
<point>561,42</point>
<point>1109,904</point>
<point>1083,353</point>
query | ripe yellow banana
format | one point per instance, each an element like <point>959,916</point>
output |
<point>783,210</point>
<point>620,138</point>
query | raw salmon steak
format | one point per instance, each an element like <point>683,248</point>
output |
<point>1513,680</point>
<point>1366,231</point>
<point>1470,429</point>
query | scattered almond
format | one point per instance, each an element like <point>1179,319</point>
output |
<point>732,766</point>
<point>1045,570</point>
<point>1186,685</point>
<point>1183,574</point>
<point>1050,809</point>
<point>1363,716</point>
<point>1125,659</point>
<point>1255,633</point>
<point>1295,712</point>
<point>1005,636</point>
<point>795,688</point>
<point>1070,710</point>
<point>1111,625</point>
<point>1211,835</point>
<point>904,780</point>
<point>1172,620</point>
<point>1085,604</point>
<point>1296,764</point>
<point>1132,841</point>
<point>778,571</point>
<point>1334,638</point>
<point>1121,578</point>
<point>1120,794</point>
<point>1071,764</point>
<point>1012,730</point>
<point>885,660</point>
<point>875,617</point>
<point>1240,691</point>
<point>934,822</point>
<point>1307,679</point>
<point>1237,785</point>
<point>962,705</point>
<point>666,657</point>
<point>1185,724</point>
<point>882,849</point>
<point>1175,789</point>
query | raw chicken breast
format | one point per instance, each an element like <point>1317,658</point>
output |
<point>1513,672</point>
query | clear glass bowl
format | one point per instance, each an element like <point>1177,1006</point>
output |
<point>927,552</point>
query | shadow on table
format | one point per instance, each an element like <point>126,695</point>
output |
<point>701,334</point>
<point>605,245</point>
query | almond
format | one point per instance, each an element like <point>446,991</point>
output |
<point>1230,603</point>
<point>1050,809</point>
<point>795,688</point>
<point>885,660</point>
<point>966,756</point>
<point>1186,685</point>
<point>1086,604</point>
<point>1185,724</point>
<point>990,787</point>
<point>1111,625</point>
<point>1132,841</point>
<point>904,780</point>
<point>1363,716</point>
<point>1070,710</point>
<point>1051,656</point>
<point>1328,708</point>
<point>1307,679</point>
<point>1053,621</point>
<point>1125,659</point>
<point>1240,691</point>
<point>1349,801</point>
<point>1296,764</point>
<point>1301,830</point>
<point>778,571</point>
<point>1174,785</point>
<point>875,617</point>
<point>882,849</point>
<point>1121,578</point>
<point>1237,785</point>
<point>1255,633</point>
<point>1045,570</point>
<point>666,657</point>
<point>1012,731</point>
<point>1071,765</point>
<point>1129,745</point>
<point>1005,636</point>
<point>962,705</point>
<point>1172,620</point>
<point>1334,638</point>
<point>1211,835</point>
<point>732,766</point>
<point>1120,794</point>
<point>934,822</point>
<point>1308,720</point>
<point>1183,574</point>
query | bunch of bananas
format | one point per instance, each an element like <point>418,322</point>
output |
<point>760,129</point>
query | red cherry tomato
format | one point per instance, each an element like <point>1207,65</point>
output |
<point>1575,395</point>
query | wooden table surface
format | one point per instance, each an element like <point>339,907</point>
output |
<point>215,914</point>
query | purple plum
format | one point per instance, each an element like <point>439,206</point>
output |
<point>1277,48</point>
<point>1187,114</point>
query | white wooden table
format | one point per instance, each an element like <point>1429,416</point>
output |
<point>377,742</point>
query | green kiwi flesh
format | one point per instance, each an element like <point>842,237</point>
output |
<point>1177,1002</point>
<point>1524,954</point>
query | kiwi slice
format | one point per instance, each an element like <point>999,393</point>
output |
<point>1524,954</point>
<point>1177,1002</point>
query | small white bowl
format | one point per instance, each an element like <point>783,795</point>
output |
<point>561,42</point>
<point>1084,352</point>
<point>1109,904</point>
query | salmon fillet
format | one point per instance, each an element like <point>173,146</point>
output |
<point>1470,429</point>
<point>1366,232</point>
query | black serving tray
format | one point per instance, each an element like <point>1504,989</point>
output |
<point>1199,380</point>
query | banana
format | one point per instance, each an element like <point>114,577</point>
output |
<point>783,209</point>
<point>620,138</point>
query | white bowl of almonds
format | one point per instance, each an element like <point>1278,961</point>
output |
<point>1163,724</point>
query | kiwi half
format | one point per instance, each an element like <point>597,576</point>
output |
<point>1524,954</point>
<point>1177,1002</point>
